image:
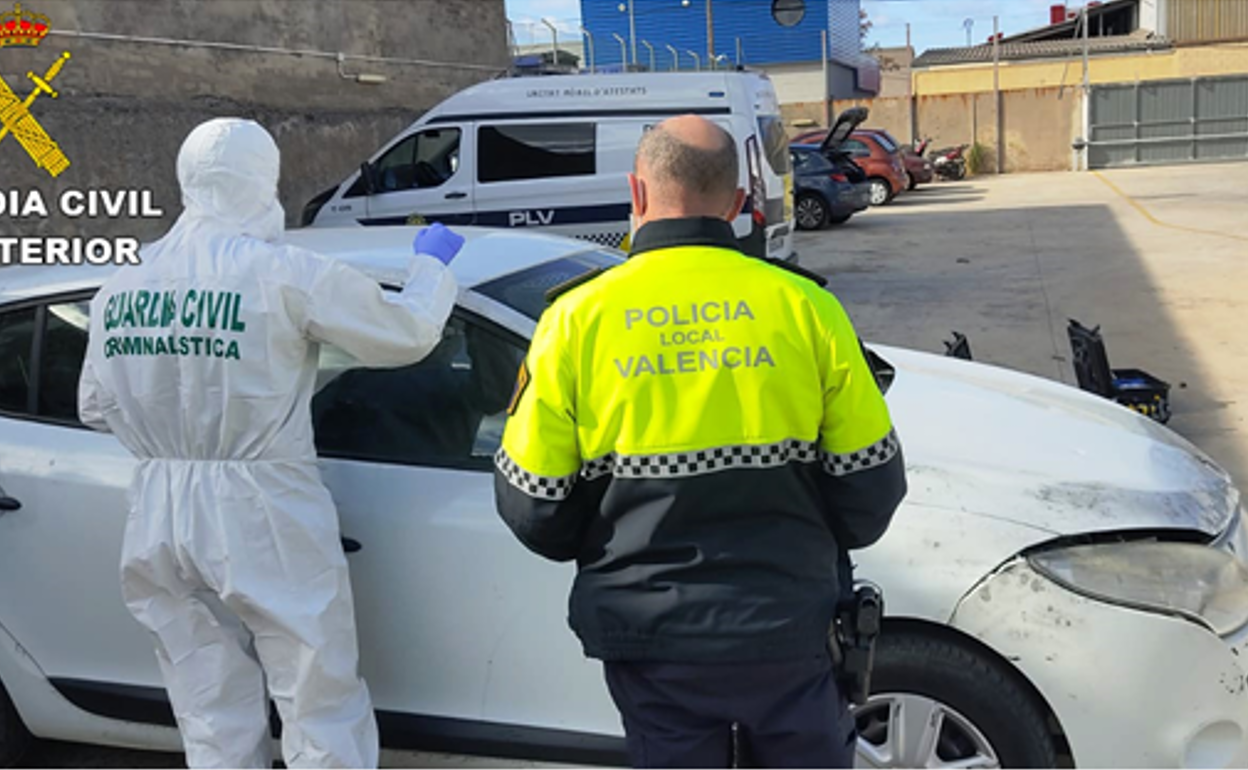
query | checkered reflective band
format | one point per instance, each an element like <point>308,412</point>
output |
<point>533,485</point>
<point>612,240</point>
<point>864,459</point>
<point>701,461</point>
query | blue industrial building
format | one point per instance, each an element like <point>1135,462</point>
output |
<point>745,32</point>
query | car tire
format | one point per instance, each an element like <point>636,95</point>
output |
<point>15,739</point>
<point>881,191</point>
<point>811,212</point>
<point>910,183</point>
<point>981,711</point>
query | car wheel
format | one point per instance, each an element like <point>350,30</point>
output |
<point>14,738</point>
<point>938,704</point>
<point>812,212</point>
<point>881,191</point>
<point>910,183</point>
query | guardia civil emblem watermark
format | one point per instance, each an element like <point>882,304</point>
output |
<point>21,27</point>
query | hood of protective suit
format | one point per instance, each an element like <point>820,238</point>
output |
<point>228,169</point>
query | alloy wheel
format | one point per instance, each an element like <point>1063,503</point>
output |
<point>879,192</point>
<point>809,213</point>
<point>905,730</point>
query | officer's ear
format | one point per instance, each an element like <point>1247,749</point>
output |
<point>738,203</point>
<point>638,191</point>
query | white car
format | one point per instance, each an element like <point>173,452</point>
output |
<point>1064,582</point>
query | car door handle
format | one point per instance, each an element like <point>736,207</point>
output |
<point>8,504</point>
<point>350,546</point>
<point>456,196</point>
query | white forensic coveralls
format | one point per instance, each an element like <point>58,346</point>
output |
<point>232,553</point>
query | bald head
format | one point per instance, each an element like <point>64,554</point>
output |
<point>686,167</point>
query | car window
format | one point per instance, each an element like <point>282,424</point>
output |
<point>448,410</point>
<point>17,335</point>
<point>856,148</point>
<point>775,143</point>
<point>424,160</point>
<point>525,291</point>
<point>886,141</point>
<point>536,151</point>
<point>64,347</point>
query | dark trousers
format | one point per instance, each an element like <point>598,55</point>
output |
<point>787,714</point>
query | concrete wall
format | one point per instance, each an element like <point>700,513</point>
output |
<point>125,107</point>
<point>894,70</point>
<point>1039,123</point>
<point>1182,62</point>
<point>797,83</point>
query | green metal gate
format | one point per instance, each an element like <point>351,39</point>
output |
<point>1168,121</point>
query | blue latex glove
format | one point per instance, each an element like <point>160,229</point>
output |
<point>439,242</point>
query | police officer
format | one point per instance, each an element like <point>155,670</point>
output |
<point>701,432</point>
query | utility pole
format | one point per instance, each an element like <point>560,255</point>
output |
<point>1087,91</point>
<point>996,93</point>
<point>632,30</point>
<point>710,34</point>
<point>827,86</point>
<point>1087,76</point>
<point>649,47</point>
<point>739,54</point>
<point>675,57</point>
<point>590,49</point>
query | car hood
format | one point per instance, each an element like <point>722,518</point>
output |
<point>994,442</point>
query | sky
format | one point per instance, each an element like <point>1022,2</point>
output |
<point>933,23</point>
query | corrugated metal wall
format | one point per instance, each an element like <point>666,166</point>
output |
<point>763,41</point>
<point>1194,21</point>
<point>1171,121</point>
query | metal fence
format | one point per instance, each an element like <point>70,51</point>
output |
<point>1206,20</point>
<point>1169,121</point>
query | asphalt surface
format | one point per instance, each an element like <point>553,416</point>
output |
<point>1156,257</point>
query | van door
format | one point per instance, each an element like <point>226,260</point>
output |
<point>422,178</point>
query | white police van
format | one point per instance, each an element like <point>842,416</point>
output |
<point>552,153</point>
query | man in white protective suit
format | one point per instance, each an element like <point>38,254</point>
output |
<point>202,361</point>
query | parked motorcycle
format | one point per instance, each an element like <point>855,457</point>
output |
<point>950,163</point>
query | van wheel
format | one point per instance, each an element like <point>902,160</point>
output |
<point>938,704</point>
<point>881,191</point>
<point>812,212</point>
<point>14,738</point>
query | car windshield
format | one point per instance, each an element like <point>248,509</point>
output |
<point>525,291</point>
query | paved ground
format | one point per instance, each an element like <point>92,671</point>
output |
<point>1157,257</point>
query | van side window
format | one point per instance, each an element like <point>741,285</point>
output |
<point>535,151</point>
<point>420,161</point>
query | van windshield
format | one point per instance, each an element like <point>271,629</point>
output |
<point>775,143</point>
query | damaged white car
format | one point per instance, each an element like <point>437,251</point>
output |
<point>1064,582</point>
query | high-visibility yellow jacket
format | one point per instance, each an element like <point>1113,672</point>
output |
<point>701,432</point>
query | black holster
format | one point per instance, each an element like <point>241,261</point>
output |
<point>851,641</point>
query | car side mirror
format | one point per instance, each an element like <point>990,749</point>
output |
<point>368,173</point>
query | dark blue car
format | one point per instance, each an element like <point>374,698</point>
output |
<point>825,193</point>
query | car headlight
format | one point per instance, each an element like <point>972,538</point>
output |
<point>1204,584</point>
